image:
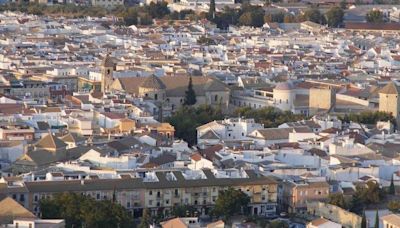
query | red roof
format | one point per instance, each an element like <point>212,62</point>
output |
<point>196,157</point>
<point>372,26</point>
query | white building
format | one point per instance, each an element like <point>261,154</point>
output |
<point>233,129</point>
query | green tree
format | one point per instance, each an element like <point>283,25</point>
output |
<point>183,211</point>
<point>367,194</point>
<point>314,15</point>
<point>374,16</point>
<point>190,94</point>
<point>231,202</point>
<point>394,206</point>
<point>364,220</point>
<point>229,16</point>
<point>268,116</point>
<point>343,4</point>
<point>335,16</point>
<point>157,10</point>
<point>251,16</point>
<point>145,220</point>
<point>275,17</point>
<point>79,210</point>
<point>357,204</point>
<point>211,11</point>
<point>338,200</point>
<point>246,19</point>
<point>188,118</point>
<point>278,224</point>
<point>376,219</point>
<point>368,117</point>
<point>392,188</point>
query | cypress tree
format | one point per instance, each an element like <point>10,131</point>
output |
<point>145,220</point>
<point>364,221</point>
<point>392,188</point>
<point>211,11</point>
<point>376,219</point>
<point>190,94</point>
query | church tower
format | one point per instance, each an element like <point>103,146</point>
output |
<point>107,68</point>
<point>389,100</point>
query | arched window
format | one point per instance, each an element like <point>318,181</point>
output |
<point>216,98</point>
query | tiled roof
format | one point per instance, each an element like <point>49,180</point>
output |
<point>152,82</point>
<point>10,209</point>
<point>175,86</point>
<point>50,141</point>
<point>390,88</point>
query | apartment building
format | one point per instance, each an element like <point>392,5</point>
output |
<point>294,195</point>
<point>157,191</point>
<point>29,88</point>
<point>16,132</point>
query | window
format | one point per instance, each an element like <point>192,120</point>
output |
<point>150,202</point>
<point>155,96</point>
<point>216,98</point>
<point>166,201</point>
<point>151,193</point>
<point>98,196</point>
<point>128,204</point>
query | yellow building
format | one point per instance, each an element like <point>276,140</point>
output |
<point>321,99</point>
<point>159,194</point>
<point>389,100</point>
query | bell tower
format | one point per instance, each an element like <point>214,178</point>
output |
<point>107,68</point>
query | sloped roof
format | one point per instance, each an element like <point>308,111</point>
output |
<point>390,88</point>
<point>175,86</point>
<point>43,125</point>
<point>210,134</point>
<point>214,85</point>
<point>68,138</point>
<point>319,221</point>
<point>393,219</point>
<point>10,209</point>
<point>152,82</point>
<point>50,141</point>
<point>174,223</point>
